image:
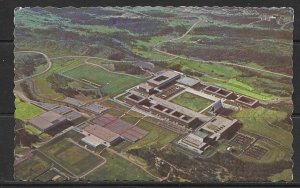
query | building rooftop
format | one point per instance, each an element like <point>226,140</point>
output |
<point>163,77</point>
<point>62,110</point>
<point>45,106</point>
<point>46,120</point>
<point>194,141</point>
<point>145,86</point>
<point>73,101</point>
<point>95,108</point>
<point>178,108</point>
<point>92,140</point>
<point>201,134</point>
<point>72,116</point>
<point>217,125</point>
<point>187,81</point>
<point>101,132</point>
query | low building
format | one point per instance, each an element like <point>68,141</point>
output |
<point>220,127</point>
<point>163,79</point>
<point>166,109</point>
<point>187,81</point>
<point>220,92</point>
<point>146,88</point>
<point>62,110</point>
<point>94,141</point>
<point>109,137</point>
<point>134,98</point>
<point>194,143</point>
<point>177,113</point>
<point>95,108</point>
<point>73,101</point>
<point>73,116</point>
<point>47,120</point>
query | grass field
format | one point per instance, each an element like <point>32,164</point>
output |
<point>43,87</point>
<point>49,175</point>
<point>25,111</point>
<point>263,121</point>
<point>31,168</point>
<point>131,119</point>
<point>71,156</point>
<point>156,138</point>
<point>192,101</point>
<point>111,83</point>
<point>118,169</point>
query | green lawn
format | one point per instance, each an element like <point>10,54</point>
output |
<point>111,83</point>
<point>71,156</point>
<point>118,169</point>
<point>25,111</point>
<point>31,168</point>
<point>192,101</point>
<point>156,138</point>
<point>43,87</point>
<point>261,121</point>
<point>131,119</point>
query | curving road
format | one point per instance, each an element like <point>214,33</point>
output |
<point>46,70</point>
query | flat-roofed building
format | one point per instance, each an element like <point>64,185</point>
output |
<point>73,101</point>
<point>134,98</point>
<point>146,88</point>
<point>177,113</point>
<point>163,79</point>
<point>73,116</point>
<point>103,133</point>
<point>94,141</point>
<point>220,92</point>
<point>95,108</point>
<point>220,127</point>
<point>62,110</point>
<point>187,81</point>
<point>45,106</point>
<point>194,143</point>
<point>47,120</point>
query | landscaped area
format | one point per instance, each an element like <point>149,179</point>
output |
<point>31,168</point>
<point>118,169</point>
<point>192,101</point>
<point>262,121</point>
<point>156,138</point>
<point>71,156</point>
<point>111,83</point>
<point>25,111</point>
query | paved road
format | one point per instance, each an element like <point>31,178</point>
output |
<point>48,62</point>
